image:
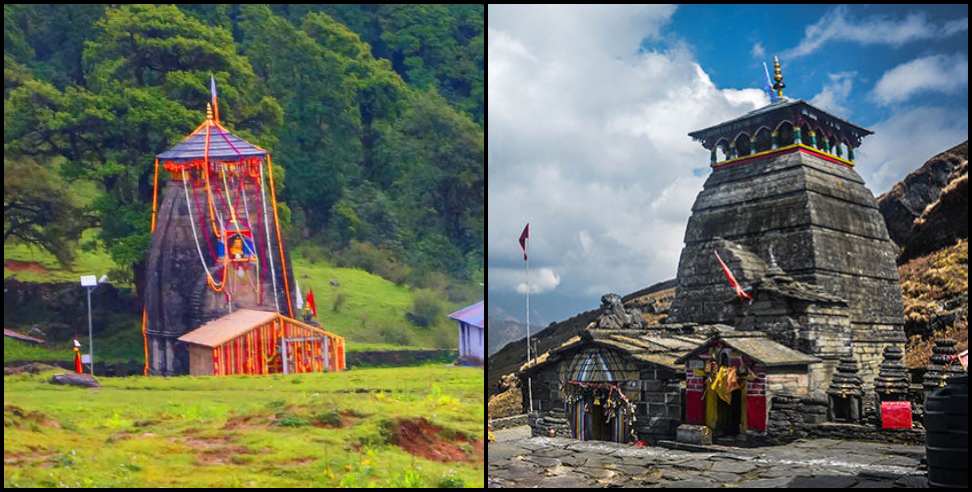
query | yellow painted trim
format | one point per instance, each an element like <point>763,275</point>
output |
<point>782,149</point>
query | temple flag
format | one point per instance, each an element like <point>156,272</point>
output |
<point>310,302</point>
<point>523,238</point>
<point>769,85</point>
<point>300,298</point>
<point>212,91</point>
<point>742,294</point>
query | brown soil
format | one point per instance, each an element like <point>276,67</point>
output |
<point>422,438</point>
<point>221,455</point>
<point>213,450</point>
<point>246,422</point>
<point>30,459</point>
<point>24,266</point>
<point>14,416</point>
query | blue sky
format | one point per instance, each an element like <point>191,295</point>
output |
<point>723,35</point>
<point>589,109</point>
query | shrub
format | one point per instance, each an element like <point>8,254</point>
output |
<point>426,308</point>
<point>292,421</point>
<point>396,335</point>
<point>339,301</point>
<point>451,481</point>
<point>328,418</point>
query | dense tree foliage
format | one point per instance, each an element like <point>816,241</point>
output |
<point>373,114</point>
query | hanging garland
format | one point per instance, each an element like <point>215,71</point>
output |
<point>609,395</point>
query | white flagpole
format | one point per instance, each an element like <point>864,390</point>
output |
<point>526,253</point>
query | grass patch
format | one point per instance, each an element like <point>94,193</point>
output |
<point>173,432</point>
<point>89,261</point>
<point>372,310</point>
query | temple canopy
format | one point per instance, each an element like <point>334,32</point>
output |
<point>796,112</point>
<point>222,145</point>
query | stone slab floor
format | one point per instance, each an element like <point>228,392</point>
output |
<point>517,460</point>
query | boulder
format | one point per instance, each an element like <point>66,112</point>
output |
<point>72,379</point>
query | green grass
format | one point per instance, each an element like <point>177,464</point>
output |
<point>96,262</point>
<point>120,347</point>
<point>372,305</point>
<point>180,432</point>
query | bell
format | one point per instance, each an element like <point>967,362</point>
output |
<point>597,401</point>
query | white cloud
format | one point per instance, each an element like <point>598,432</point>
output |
<point>942,73</point>
<point>541,280</point>
<point>758,51</point>
<point>837,25</point>
<point>515,279</point>
<point>833,96</point>
<point>903,142</point>
<point>588,142</point>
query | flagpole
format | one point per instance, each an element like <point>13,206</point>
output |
<point>527,256</point>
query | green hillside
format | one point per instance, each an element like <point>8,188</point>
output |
<point>358,428</point>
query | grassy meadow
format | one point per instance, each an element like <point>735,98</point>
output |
<point>404,427</point>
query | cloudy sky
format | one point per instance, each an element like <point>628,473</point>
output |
<point>589,107</point>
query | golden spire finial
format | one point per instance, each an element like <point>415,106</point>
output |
<point>209,111</point>
<point>778,77</point>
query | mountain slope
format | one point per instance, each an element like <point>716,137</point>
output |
<point>928,209</point>
<point>927,217</point>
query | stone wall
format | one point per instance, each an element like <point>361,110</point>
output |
<point>793,417</point>
<point>787,383</point>
<point>542,422</point>
<point>659,409</point>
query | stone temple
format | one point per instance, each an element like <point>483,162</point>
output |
<point>786,193</point>
<point>819,297</point>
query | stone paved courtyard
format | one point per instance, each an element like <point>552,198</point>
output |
<point>517,460</point>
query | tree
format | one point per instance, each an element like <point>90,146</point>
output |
<point>147,74</point>
<point>435,156</point>
<point>36,211</point>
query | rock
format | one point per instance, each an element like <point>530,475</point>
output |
<point>72,379</point>
<point>693,434</point>
<point>919,199</point>
<point>614,316</point>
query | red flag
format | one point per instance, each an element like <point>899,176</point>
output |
<point>732,280</point>
<point>310,302</point>
<point>523,237</point>
<point>77,362</point>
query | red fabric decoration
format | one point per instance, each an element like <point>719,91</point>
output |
<point>895,415</point>
<point>310,302</point>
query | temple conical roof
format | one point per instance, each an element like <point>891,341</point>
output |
<point>222,145</point>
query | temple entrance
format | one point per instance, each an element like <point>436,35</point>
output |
<point>599,428</point>
<point>591,419</point>
<point>725,400</point>
<point>729,416</point>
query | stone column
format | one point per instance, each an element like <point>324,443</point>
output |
<point>850,153</point>
<point>942,365</point>
<point>796,135</point>
<point>813,138</point>
<point>846,384</point>
<point>892,382</point>
<point>775,138</point>
<point>712,155</point>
